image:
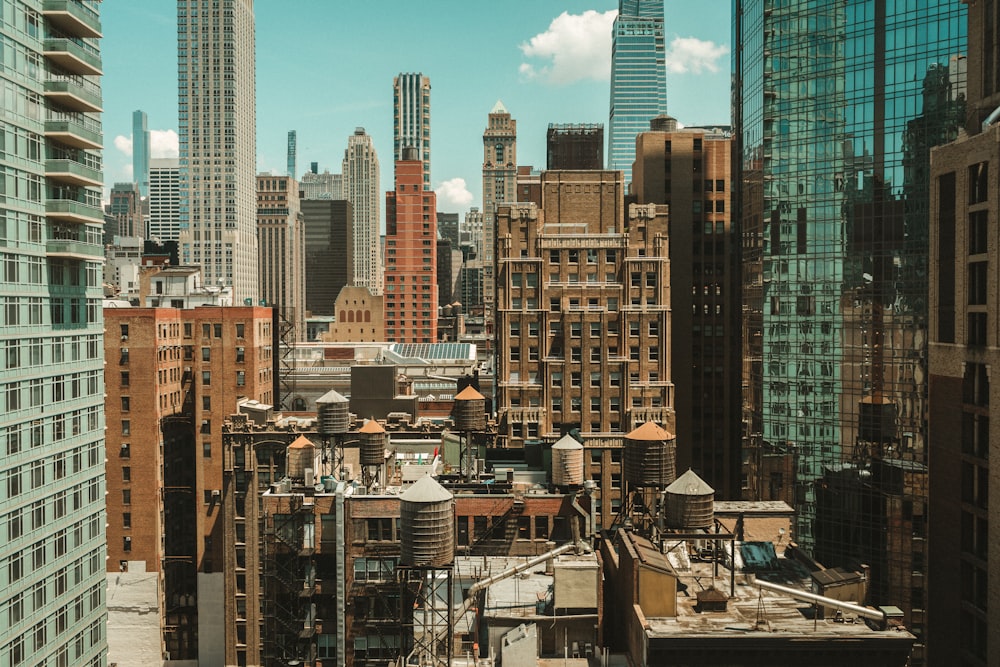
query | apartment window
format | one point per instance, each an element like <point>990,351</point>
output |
<point>240,328</point>
<point>126,403</point>
<point>595,354</point>
<point>574,380</point>
<point>126,473</point>
<point>126,519</point>
<point>126,496</point>
<point>241,378</point>
<point>125,451</point>
<point>187,329</point>
<point>240,354</point>
<point>127,543</point>
<point>595,379</point>
<point>515,354</point>
<point>217,330</point>
<point>206,354</point>
<point>206,330</point>
<point>206,378</point>
<point>125,379</point>
<point>557,378</point>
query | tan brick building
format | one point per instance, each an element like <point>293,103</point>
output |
<point>688,170</point>
<point>583,319</point>
<point>171,377</point>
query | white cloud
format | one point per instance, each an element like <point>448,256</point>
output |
<point>453,194</point>
<point>124,144</point>
<point>575,46</point>
<point>163,144</point>
<point>693,55</point>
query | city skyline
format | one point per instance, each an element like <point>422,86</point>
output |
<point>537,89</point>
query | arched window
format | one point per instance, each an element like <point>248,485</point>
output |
<point>343,315</point>
<point>350,316</point>
<point>357,316</point>
<point>368,316</point>
<point>299,405</point>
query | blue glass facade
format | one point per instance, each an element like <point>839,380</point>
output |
<point>638,78</point>
<point>837,106</point>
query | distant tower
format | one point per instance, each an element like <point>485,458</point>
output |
<point>411,256</point>
<point>291,154</point>
<point>412,119</point>
<point>499,187</point>
<point>218,219</point>
<point>638,78</point>
<point>362,188</point>
<point>281,238</point>
<point>140,152</point>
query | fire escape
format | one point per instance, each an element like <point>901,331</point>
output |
<point>500,535</point>
<point>375,596</point>
<point>289,585</point>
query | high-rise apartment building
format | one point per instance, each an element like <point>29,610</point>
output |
<point>140,152</point>
<point>290,154</point>
<point>688,170</point>
<point>362,188</point>
<point>216,107</point>
<point>499,187</point>
<point>171,373</point>
<point>328,227</point>
<point>412,119</point>
<point>282,243</point>
<point>574,146</point>
<point>52,581</point>
<point>833,169</point>
<point>963,537</point>
<point>638,78</point>
<point>411,293</point>
<point>583,319</point>
<point>125,208</point>
<point>164,200</point>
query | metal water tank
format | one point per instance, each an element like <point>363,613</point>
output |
<point>470,410</point>
<point>333,413</point>
<point>427,524</point>
<point>650,457</point>
<point>373,443</point>
<point>567,462</point>
<point>301,454</point>
<point>690,502</point>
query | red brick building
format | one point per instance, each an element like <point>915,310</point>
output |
<point>411,292</point>
<point>171,377</point>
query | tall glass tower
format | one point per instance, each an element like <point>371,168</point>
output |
<point>838,105</point>
<point>52,481</point>
<point>638,78</point>
<point>140,151</point>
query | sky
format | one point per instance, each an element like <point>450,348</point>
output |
<point>325,67</point>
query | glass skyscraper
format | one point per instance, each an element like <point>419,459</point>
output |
<point>838,105</point>
<point>638,78</point>
<point>52,482</point>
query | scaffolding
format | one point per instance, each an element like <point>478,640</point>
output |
<point>427,618</point>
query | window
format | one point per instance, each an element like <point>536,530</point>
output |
<point>240,327</point>
<point>241,378</point>
<point>127,543</point>
<point>125,379</point>
<point>240,354</point>
<point>126,496</point>
<point>126,519</point>
<point>206,378</point>
<point>206,354</point>
<point>126,403</point>
<point>126,427</point>
<point>126,473</point>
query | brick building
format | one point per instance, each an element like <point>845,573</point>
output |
<point>172,374</point>
<point>411,292</point>
<point>688,170</point>
<point>583,320</point>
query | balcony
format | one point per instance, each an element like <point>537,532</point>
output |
<point>72,172</point>
<point>74,94</point>
<point>72,56</point>
<point>72,249</point>
<point>74,130</point>
<point>72,17</point>
<point>72,211</point>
